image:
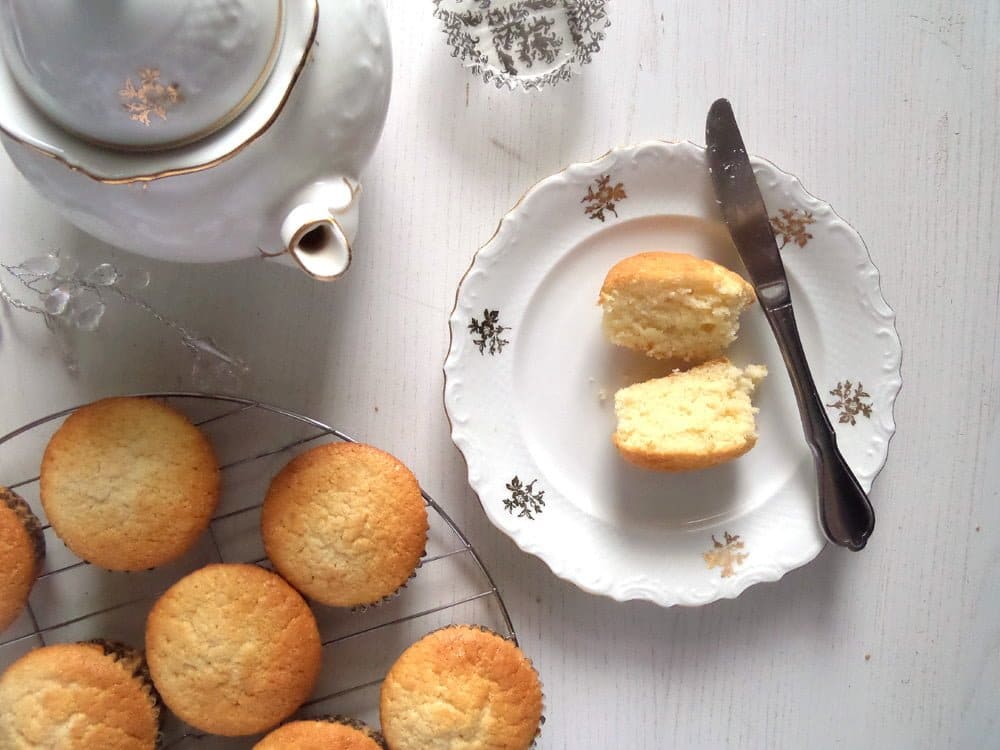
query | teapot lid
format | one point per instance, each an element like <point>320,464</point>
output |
<point>141,74</point>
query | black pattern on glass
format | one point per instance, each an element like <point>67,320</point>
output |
<point>523,34</point>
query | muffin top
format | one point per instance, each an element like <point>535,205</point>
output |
<point>690,272</point>
<point>328,733</point>
<point>461,687</point>
<point>129,483</point>
<point>22,549</point>
<point>345,523</point>
<point>79,695</point>
<point>233,649</point>
<point>673,306</point>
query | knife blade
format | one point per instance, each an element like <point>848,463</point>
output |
<point>845,512</point>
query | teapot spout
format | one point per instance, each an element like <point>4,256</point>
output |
<point>317,232</point>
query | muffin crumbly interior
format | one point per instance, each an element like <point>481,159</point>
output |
<point>675,322</point>
<point>689,419</point>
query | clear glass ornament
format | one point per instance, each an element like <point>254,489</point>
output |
<point>42,265</point>
<point>102,275</point>
<point>56,301</point>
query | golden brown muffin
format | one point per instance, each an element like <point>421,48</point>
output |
<point>129,483</point>
<point>327,733</point>
<point>22,550</point>
<point>688,420</point>
<point>345,524</point>
<point>673,305</point>
<point>461,687</point>
<point>233,649</point>
<point>79,695</point>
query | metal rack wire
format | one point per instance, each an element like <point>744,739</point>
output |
<point>73,600</point>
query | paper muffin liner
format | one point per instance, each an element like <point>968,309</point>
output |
<point>484,629</point>
<point>30,521</point>
<point>362,608</point>
<point>353,723</point>
<point>523,44</point>
<point>134,661</point>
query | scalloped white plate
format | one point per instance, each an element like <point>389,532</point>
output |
<point>530,381</point>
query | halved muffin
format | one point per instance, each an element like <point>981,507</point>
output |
<point>688,420</point>
<point>673,305</point>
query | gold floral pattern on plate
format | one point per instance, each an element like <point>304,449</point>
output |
<point>488,333</point>
<point>852,402</point>
<point>603,196</point>
<point>150,97</point>
<point>792,226</point>
<point>726,556</point>
<point>524,499</point>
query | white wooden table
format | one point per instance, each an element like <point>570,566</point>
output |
<point>887,110</point>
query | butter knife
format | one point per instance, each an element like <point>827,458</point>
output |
<point>845,512</point>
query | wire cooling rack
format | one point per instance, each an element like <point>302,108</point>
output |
<point>73,600</point>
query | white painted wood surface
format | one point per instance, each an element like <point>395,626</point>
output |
<point>887,110</point>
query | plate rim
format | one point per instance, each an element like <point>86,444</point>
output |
<point>761,574</point>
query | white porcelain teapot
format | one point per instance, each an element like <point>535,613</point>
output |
<point>199,130</point>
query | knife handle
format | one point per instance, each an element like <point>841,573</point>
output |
<point>845,512</point>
